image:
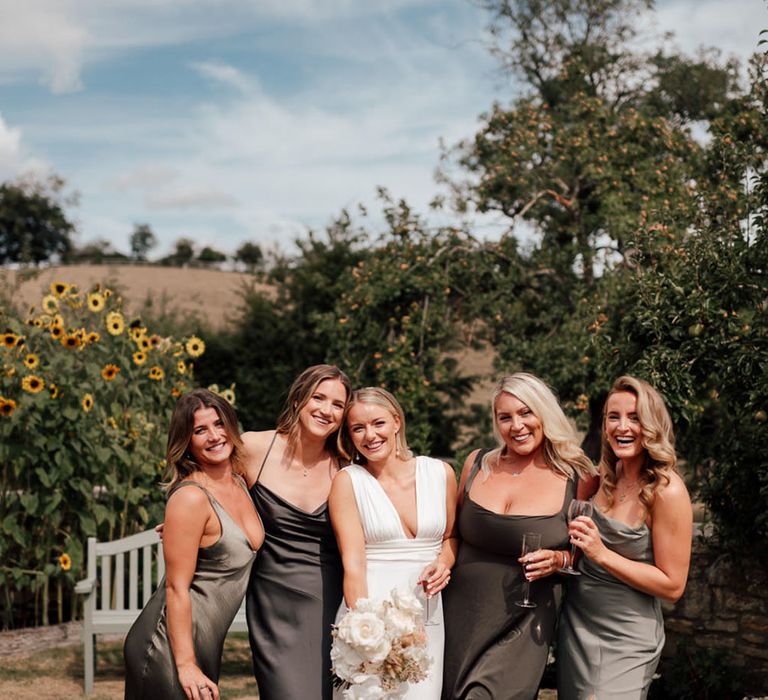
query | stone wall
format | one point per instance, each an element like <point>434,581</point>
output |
<point>725,606</point>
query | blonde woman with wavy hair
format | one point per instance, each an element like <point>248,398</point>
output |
<point>637,551</point>
<point>495,649</point>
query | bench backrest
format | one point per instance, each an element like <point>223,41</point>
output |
<point>132,564</point>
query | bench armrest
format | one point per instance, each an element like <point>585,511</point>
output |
<point>86,586</point>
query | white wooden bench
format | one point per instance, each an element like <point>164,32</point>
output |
<point>107,609</point>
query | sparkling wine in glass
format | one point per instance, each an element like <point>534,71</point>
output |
<point>428,607</point>
<point>575,509</point>
<point>531,543</point>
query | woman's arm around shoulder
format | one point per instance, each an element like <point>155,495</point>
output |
<point>345,519</point>
<point>186,516</point>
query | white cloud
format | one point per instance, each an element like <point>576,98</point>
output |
<point>200,198</point>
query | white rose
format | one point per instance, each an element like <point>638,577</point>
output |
<point>365,632</point>
<point>345,661</point>
<point>407,602</point>
<point>368,690</point>
<point>399,622</point>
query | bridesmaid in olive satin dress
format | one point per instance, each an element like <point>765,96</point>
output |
<point>211,535</point>
<point>637,550</point>
<point>296,583</point>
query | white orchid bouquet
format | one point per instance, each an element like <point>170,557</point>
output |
<point>380,647</point>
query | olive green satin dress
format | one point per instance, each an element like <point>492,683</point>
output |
<point>611,635</point>
<point>217,589</point>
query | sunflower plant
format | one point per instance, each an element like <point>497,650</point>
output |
<point>86,393</point>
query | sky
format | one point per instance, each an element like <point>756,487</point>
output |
<point>232,120</point>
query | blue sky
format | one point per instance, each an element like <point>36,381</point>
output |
<point>233,120</point>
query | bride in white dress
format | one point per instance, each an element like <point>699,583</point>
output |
<point>393,515</point>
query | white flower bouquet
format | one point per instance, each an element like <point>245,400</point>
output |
<point>379,647</point>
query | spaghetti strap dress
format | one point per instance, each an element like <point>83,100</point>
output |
<point>494,649</point>
<point>217,589</point>
<point>292,599</point>
<point>394,560</point>
<point>611,635</point>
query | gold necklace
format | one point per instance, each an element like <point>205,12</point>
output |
<point>626,490</point>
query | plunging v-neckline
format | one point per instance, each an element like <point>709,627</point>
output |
<point>392,505</point>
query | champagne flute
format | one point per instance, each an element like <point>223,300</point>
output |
<point>531,543</point>
<point>575,509</point>
<point>428,621</point>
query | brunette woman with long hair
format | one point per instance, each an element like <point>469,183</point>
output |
<point>211,535</point>
<point>296,584</point>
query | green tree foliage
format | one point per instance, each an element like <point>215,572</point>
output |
<point>183,253</point>
<point>397,321</point>
<point>692,317</point>
<point>85,399</point>
<point>251,255</point>
<point>142,240</point>
<point>211,256</point>
<point>33,225</point>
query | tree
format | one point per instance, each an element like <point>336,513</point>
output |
<point>96,251</point>
<point>251,255</point>
<point>142,240</point>
<point>210,256</point>
<point>691,317</point>
<point>33,225</point>
<point>183,252</point>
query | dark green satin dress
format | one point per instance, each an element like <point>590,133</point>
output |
<point>495,650</point>
<point>217,589</point>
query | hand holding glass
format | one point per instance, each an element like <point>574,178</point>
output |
<point>531,543</point>
<point>427,612</point>
<point>575,509</point>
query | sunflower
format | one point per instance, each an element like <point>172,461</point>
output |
<point>228,395</point>
<point>59,289</point>
<point>9,340</point>
<point>71,341</point>
<point>65,562</point>
<point>175,392</point>
<point>156,373</point>
<point>50,304</point>
<point>9,370</point>
<point>181,367</point>
<point>137,333</point>
<point>110,372</point>
<point>106,292</point>
<point>55,391</point>
<point>7,407</point>
<point>96,302</point>
<point>93,337</point>
<point>31,361</point>
<point>155,340</point>
<point>57,332</point>
<point>144,343</point>
<point>87,403</point>
<point>32,383</point>
<point>139,357</point>
<point>37,322</point>
<point>195,346</point>
<point>56,320</point>
<point>115,323</point>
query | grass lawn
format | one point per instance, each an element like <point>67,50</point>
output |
<point>57,673</point>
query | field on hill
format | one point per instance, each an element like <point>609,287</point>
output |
<point>213,296</point>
